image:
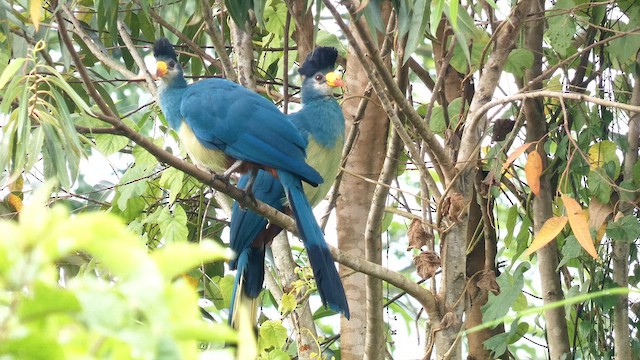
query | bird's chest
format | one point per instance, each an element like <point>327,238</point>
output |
<point>214,160</point>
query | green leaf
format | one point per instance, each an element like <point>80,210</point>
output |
<point>172,179</point>
<point>275,17</point>
<point>143,157</point>
<point>602,153</point>
<point>510,289</point>
<point>418,24</point>
<point>272,335</point>
<point>47,300</point>
<point>570,250</point>
<point>278,354</point>
<point>326,38</point>
<point>518,62</point>
<point>626,228</point>
<point>453,13</point>
<point>437,8</point>
<point>560,33</point>
<point>35,346</point>
<point>109,144</point>
<point>173,224</point>
<point>599,185</point>
<point>132,184</point>
<point>239,10</point>
<point>288,303</point>
<point>177,258</point>
<point>10,71</point>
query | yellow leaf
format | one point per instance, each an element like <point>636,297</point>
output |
<point>547,232</point>
<point>579,221</point>
<point>533,170</point>
<point>514,155</point>
<point>34,12</point>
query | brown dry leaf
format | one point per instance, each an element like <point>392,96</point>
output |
<point>448,320</point>
<point>417,236</point>
<point>598,213</point>
<point>453,206</point>
<point>549,230</point>
<point>533,170</point>
<point>579,221</point>
<point>488,282</point>
<point>600,233</point>
<point>514,155</point>
<point>427,263</point>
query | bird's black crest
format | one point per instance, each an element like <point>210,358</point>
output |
<point>163,49</point>
<point>321,58</point>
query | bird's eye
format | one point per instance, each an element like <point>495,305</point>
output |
<point>319,77</point>
<point>171,64</point>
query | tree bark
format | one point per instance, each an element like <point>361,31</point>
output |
<point>555,318</point>
<point>243,52</point>
<point>461,190</point>
<point>353,204</point>
<point>301,318</point>
<point>620,256</point>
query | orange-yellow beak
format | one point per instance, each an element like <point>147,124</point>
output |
<point>334,79</point>
<point>161,69</point>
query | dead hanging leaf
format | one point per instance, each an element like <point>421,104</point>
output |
<point>514,155</point>
<point>453,207</point>
<point>427,263</point>
<point>549,230</point>
<point>533,170</point>
<point>598,213</point>
<point>448,320</point>
<point>418,237</point>
<point>487,281</point>
<point>579,221</point>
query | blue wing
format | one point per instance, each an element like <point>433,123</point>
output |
<point>246,126</point>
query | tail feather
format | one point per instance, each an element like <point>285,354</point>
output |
<point>248,283</point>
<point>324,270</point>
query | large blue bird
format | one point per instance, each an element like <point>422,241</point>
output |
<point>221,124</point>
<point>321,122</point>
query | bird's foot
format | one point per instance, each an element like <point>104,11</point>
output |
<point>249,197</point>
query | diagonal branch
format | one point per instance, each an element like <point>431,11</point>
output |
<point>381,75</point>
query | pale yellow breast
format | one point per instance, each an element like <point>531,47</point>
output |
<point>326,162</point>
<point>214,160</point>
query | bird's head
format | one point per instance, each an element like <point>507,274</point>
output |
<point>167,66</point>
<point>317,71</point>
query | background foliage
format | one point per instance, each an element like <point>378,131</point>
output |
<point>112,261</point>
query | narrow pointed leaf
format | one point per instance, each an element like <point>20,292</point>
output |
<point>514,155</point>
<point>547,232</point>
<point>579,221</point>
<point>533,170</point>
<point>34,12</point>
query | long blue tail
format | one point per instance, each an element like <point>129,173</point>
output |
<point>248,239</point>
<point>248,282</point>
<point>324,269</point>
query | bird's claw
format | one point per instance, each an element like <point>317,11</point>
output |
<point>249,197</point>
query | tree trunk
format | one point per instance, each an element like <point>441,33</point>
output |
<point>555,319</point>
<point>461,192</point>
<point>620,256</point>
<point>365,159</point>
